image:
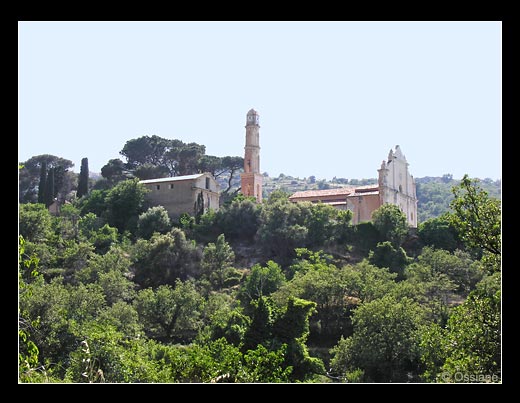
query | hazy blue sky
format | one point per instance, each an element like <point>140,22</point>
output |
<point>333,97</point>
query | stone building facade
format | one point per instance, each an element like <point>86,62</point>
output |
<point>251,179</point>
<point>395,186</point>
<point>184,194</point>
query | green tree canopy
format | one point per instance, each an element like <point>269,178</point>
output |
<point>155,219</point>
<point>83,178</point>
<point>282,229</point>
<point>239,220</point>
<point>384,345</point>
<point>477,218</point>
<point>114,171</point>
<point>439,233</point>
<point>386,255</point>
<point>171,313</point>
<point>165,258</point>
<point>391,223</point>
<point>31,172</point>
<point>125,202</point>
<point>262,281</point>
<point>34,222</point>
<point>217,259</point>
<point>468,349</point>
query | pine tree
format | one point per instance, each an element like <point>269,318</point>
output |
<point>83,178</point>
<point>41,185</point>
<point>48,196</point>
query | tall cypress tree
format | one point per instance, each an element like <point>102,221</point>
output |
<point>49,188</point>
<point>83,178</point>
<point>43,180</point>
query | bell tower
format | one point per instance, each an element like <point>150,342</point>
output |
<point>251,179</point>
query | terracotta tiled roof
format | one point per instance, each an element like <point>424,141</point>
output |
<point>366,188</point>
<point>322,193</point>
<point>346,191</point>
<point>363,194</point>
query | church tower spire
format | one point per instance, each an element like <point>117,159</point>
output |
<point>251,179</point>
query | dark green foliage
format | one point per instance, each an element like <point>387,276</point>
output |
<point>154,156</point>
<point>282,229</point>
<point>50,189</point>
<point>147,150</point>
<point>217,259</point>
<point>123,317</point>
<point>54,308</point>
<point>343,227</point>
<point>477,218</point>
<point>391,223</point>
<point>459,267</point>
<point>30,176</point>
<point>319,221</point>
<point>434,194</point>
<point>198,207</point>
<point>262,365</point>
<point>83,178</point>
<point>100,303</point>
<point>468,349</point>
<point>336,292</point>
<point>232,327</point>
<point>42,183</point>
<point>439,233</point>
<point>155,219</point>
<point>384,345</point>
<point>103,238</point>
<point>116,287</point>
<point>165,258</point>
<point>225,166</point>
<point>386,255</point>
<point>206,230</point>
<point>211,164</point>
<point>292,328</point>
<point>95,203</point>
<point>260,330</point>
<point>262,281</point>
<point>124,203</point>
<point>150,171</point>
<point>294,323</point>
<point>116,259</point>
<point>114,171</point>
<point>34,222</point>
<point>239,220</point>
<point>289,327</point>
<point>277,195</point>
<point>101,235</point>
<point>171,314</point>
<point>364,237</point>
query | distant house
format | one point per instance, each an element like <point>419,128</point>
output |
<point>395,186</point>
<point>184,194</point>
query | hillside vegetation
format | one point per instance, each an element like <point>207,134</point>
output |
<point>111,290</point>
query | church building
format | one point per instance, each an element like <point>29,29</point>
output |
<point>395,186</point>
